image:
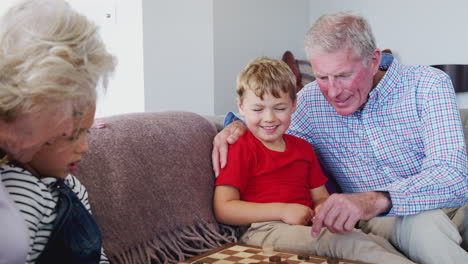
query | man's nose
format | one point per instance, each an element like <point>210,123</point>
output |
<point>333,88</point>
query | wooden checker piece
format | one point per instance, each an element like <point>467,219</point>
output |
<point>236,253</point>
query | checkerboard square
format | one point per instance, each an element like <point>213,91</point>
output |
<point>233,258</point>
<point>259,257</point>
<point>229,252</point>
<point>253,250</point>
<point>243,254</point>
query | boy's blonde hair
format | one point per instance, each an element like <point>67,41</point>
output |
<point>49,54</point>
<point>266,75</point>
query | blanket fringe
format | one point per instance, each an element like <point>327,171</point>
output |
<point>179,245</point>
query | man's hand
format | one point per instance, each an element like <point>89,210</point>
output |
<point>228,135</point>
<point>296,214</point>
<point>340,212</point>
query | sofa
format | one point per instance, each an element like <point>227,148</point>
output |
<point>150,183</point>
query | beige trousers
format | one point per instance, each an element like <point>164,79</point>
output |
<point>354,246</point>
<point>436,236</point>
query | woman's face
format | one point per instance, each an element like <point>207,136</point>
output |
<point>32,130</point>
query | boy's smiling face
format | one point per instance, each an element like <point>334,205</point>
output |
<point>61,157</point>
<point>267,119</point>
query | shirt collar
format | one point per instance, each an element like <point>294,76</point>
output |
<point>389,80</point>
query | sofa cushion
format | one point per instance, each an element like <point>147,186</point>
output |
<point>150,184</point>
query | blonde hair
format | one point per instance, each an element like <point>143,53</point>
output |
<point>49,53</point>
<point>266,75</point>
<point>333,32</point>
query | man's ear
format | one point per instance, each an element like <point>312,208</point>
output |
<point>240,106</point>
<point>375,60</point>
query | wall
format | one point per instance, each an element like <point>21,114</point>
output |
<point>5,5</point>
<point>178,48</point>
<point>193,54</point>
<point>417,32</point>
<point>121,29</point>
<point>246,29</point>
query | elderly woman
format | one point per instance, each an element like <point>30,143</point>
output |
<point>51,59</point>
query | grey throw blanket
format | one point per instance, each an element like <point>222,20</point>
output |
<point>150,185</point>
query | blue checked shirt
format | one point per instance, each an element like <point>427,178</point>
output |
<point>407,140</point>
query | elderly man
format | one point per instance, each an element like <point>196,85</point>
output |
<point>391,136</point>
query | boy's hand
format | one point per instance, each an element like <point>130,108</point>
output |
<point>228,135</point>
<point>296,214</point>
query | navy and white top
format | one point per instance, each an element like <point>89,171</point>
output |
<point>37,203</point>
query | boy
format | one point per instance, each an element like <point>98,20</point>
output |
<point>273,182</point>
<point>53,203</point>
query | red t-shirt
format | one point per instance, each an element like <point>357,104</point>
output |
<point>265,176</point>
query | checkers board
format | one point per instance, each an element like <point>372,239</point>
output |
<point>236,253</point>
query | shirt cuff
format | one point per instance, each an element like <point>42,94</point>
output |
<point>231,117</point>
<point>391,212</point>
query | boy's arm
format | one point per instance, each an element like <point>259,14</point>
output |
<point>319,195</point>
<point>229,209</point>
